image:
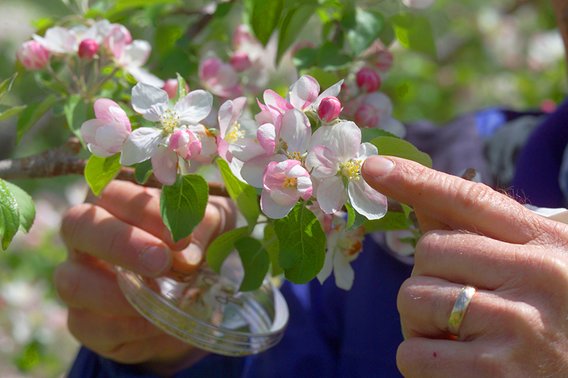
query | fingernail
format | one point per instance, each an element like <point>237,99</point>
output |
<point>377,166</point>
<point>155,259</point>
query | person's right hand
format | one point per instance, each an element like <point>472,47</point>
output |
<point>124,227</point>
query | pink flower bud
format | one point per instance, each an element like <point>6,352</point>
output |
<point>33,56</point>
<point>240,61</point>
<point>329,109</point>
<point>171,88</point>
<point>367,116</point>
<point>384,60</point>
<point>241,36</point>
<point>88,48</point>
<point>209,68</point>
<point>368,79</point>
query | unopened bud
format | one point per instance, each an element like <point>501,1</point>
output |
<point>88,48</point>
<point>329,109</point>
<point>171,88</point>
<point>384,60</point>
<point>33,55</point>
<point>209,68</point>
<point>240,61</point>
<point>367,116</point>
<point>368,79</point>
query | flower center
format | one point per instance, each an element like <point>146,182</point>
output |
<point>290,182</point>
<point>295,156</point>
<point>351,169</point>
<point>235,134</point>
<point>169,121</point>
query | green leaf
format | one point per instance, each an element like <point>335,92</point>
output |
<point>414,32</point>
<point>302,244</point>
<point>183,205</point>
<point>11,112</point>
<point>75,111</point>
<point>143,171</point>
<point>182,87</point>
<point>292,24</point>
<point>32,114</point>
<point>394,146</point>
<point>9,216</point>
<point>325,78</point>
<point>330,57</point>
<point>243,194</point>
<point>255,263</point>
<point>392,221</point>
<point>363,27</point>
<point>100,171</point>
<point>222,246</point>
<point>26,206</point>
<point>265,17</point>
<point>306,58</point>
<point>6,85</point>
<point>272,246</point>
<point>370,133</point>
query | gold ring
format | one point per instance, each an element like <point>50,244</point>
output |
<point>460,307</point>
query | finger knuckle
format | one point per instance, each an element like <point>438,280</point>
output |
<point>70,222</point>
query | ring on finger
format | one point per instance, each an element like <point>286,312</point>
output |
<point>460,308</point>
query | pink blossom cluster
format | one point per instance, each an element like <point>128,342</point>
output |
<point>278,151</point>
<point>364,102</point>
<point>244,69</point>
<point>103,40</point>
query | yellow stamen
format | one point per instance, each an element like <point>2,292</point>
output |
<point>351,169</point>
<point>290,182</point>
<point>235,134</point>
<point>295,156</point>
<point>169,121</point>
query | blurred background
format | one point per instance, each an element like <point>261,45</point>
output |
<point>504,53</point>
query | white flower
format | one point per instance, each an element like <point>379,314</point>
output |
<point>335,158</point>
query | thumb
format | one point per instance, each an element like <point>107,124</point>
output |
<point>451,200</point>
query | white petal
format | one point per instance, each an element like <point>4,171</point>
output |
<point>331,91</point>
<point>89,129</point>
<point>322,162</point>
<point>366,150</point>
<point>246,149</point>
<point>135,54</point>
<point>304,92</point>
<point>366,200</point>
<point>295,131</point>
<point>331,194</point>
<point>253,170</point>
<point>325,271</point>
<point>343,272</point>
<point>271,208</point>
<point>145,99</point>
<point>343,138</point>
<point>140,145</point>
<point>164,165</point>
<point>143,76</point>
<point>194,107</point>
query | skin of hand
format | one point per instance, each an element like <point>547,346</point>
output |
<point>123,227</point>
<point>515,325</point>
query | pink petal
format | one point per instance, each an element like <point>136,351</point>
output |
<point>331,195</point>
<point>164,164</point>
<point>304,92</point>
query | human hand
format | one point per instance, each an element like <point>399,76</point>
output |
<point>515,325</point>
<point>123,227</point>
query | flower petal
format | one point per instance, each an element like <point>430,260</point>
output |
<point>343,272</point>
<point>366,200</point>
<point>322,162</point>
<point>331,194</point>
<point>194,107</point>
<point>253,170</point>
<point>229,113</point>
<point>331,91</point>
<point>325,271</point>
<point>164,165</point>
<point>344,138</point>
<point>266,136</point>
<point>366,150</point>
<point>144,76</point>
<point>146,100</point>
<point>304,92</point>
<point>271,208</point>
<point>295,131</point>
<point>89,129</point>
<point>140,145</point>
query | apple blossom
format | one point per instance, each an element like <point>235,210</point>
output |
<point>335,157</point>
<point>373,110</point>
<point>240,61</point>
<point>418,4</point>
<point>329,109</point>
<point>219,78</point>
<point>289,140</point>
<point>58,40</point>
<point>155,143</point>
<point>106,134</point>
<point>304,93</point>
<point>284,183</point>
<point>133,57</point>
<point>343,247</point>
<point>33,55</point>
<point>368,80</point>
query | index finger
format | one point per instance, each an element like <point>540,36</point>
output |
<point>453,201</point>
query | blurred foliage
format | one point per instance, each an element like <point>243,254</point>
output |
<point>483,53</point>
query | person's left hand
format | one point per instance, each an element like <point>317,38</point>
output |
<point>515,325</point>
